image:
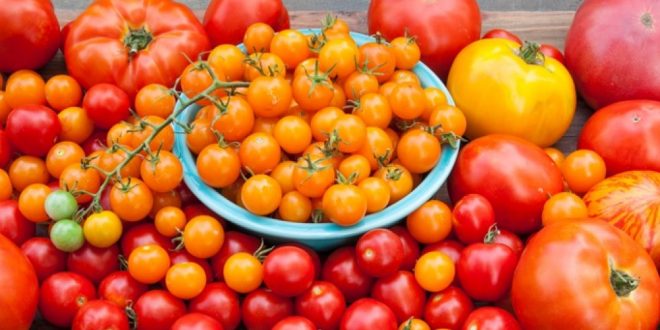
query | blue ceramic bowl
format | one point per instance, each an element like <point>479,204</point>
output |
<point>320,236</point>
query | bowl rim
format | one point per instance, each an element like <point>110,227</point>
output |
<point>272,227</point>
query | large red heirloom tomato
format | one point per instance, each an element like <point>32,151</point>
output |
<point>585,274</point>
<point>132,43</point>
<point>225,21</point>
<point>515,176</point>
<point>612,51</point>
<point>18,301</point>
<point>631,202</point>
<point>441,27</point>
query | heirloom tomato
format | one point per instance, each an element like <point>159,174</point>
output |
<point>19,297</point>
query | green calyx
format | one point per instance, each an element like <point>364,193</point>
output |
<point>137,40</point>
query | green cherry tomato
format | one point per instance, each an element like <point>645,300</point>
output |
<point>67,235</point>
<point>60,205</point>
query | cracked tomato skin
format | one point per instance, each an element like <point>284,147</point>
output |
<point>100,42</point>
<point>569,266</point>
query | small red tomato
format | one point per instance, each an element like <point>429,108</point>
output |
<point>262,309</point>
<point>13,224</point>
<point>61,295</point>
<point>100,314</point>
<point>410,247</point>
<point>448,308</point>
<point>473,217</point>
<point>196,321</point>
<point>485,270</point>
<point>94,263</point>
<point>106,105</point>
<point>288,271</point>
<point>449,247</point>
<point>219,302</point>
<point>295,323</point>
<point>323,304</point>
<point>379,252</point>
<point>158,309</point>
<point>491,318</point>
<point>368,314</point>
<point>401,293</point>
<point>552,51</point>
<point>342,270</point>
<point>33,129</point>
<point>121,288</point>
<point>44,257</point>
<point>502,34</point>
<point>509,239</point>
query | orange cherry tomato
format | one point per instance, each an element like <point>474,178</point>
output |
<point>291,46</point>
<point>293,134</point>
<point>312,175</point>
<point>237,119</point>
<point>26,170</point>
<point>261,194</point>
<point>200,136</point>
<point>25,87</point>
<point>405,77</point>
<point>434,271</point>
<point>62,155</point>
<point>359,83</point>
<point>583,169</point>
<point>228,59</point>
<point>258,37</point>
<point>563,206</point>
<point>243,272</point>
<point>377,192</point>
<point>430,223</point>
<point>356,165</point>
<point>375,110</point>
<point>161,172</point>
<point>164,140</point>
<point>351,132</point>
<point>295,207</point>
<point>196,78</point>
<point>313,91</point>
<point>203,236</point>
<point>31,202</point>
<point>260,153</point>
<point>76,125</point>
<point>185,280</point>
<point>148,264</point>
<point>154,100</point>
<point>6,188</point>
<point>263,64</point>
<point>131,199</point>
<point>556,155</point>
<point>169,221</point>
<point>165,199</point>
<point>407,101</point>
<point>449,119</point>
<point>81,181</point>
<point>406,52</point>
<point>378,148</point>
<point>62,92</point>
<point>323,122</point>
<point>218,166</point>
<point>338,57</point>
<point>379,58</point>
<point>418,151</point>
<point>434,98</point>
<point>283,174</point>
<point>344,204</point>
<point>398,179</point>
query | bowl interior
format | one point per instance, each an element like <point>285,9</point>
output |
<point>303,232</point>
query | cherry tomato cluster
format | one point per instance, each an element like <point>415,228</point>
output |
<point>324,130</point>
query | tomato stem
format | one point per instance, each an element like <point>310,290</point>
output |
<point>622,282</point>
<point>530,53</point>
<point>137,40</point>
<point>492,233</point>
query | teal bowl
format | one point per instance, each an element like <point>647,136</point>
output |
<point>320,236</point>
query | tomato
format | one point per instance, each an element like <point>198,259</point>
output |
<point>61,296</point>
<point>32,46</point>
<point>517,191</point>
<point>434,271</point>
<point>295,207</point>
<point>262,309</point>
<point>313,175</point>
<point>294,323</point>
<point>407,101</point>
<point>203,236</point>
<point>431,222</point>
<point>67,235</point>
<point>398,179</point>
<point>342,270</point>
<point>169,221</point>
<point>288,271</point>
<point>177,257</point>
<point>219,302</point>
<point>293,134</point>
<point>106,105</point>
<point>291,46</point>
<point>120,288</point>
<point>414,324</point>
<point>360,83</point>
<point>556,155</point>
<point>229,60</point>
<point>502,34</point>
<point>143,234</point>
<point>406,52</point>
<point>94,263</point>
<point>163,140</point>
<point>377,192</point>
<point>379,252</point>
<point>158,309</point>
<point>323,304</point>
<point>401,293</point>
<point>27,170</point>
<point>449,247</point>
<point>261,194</point>
<point>226,21</point>
<point>629,201</point>
<point>482,63</point>
<point>100,314</point>
<point>234,242</point>
<point>162,172</point>
<point>44,257</point>
<point>5,149</point>
<point>102,229</point>
<point>491,261</point>
<point>493,318</point>
<point>131,199</point>
<point>243,272</point>
<point>449,119</point>
<point>312,91</point>
<point>96,141</point>
<point>194,321</point>
<point>552,51</point>
<point>368,313</point>
<point>62,155</point>
<point>626,135</point>
<point>62,92</point>
<point>434,98</point>
<point>378,148</point>
<point>153,50</point>
<point>473,216</point>
<point>31,202</point>
<point>148,263</point>
<point>338,57</point>
<point>75,179</point>
<point>374,110</point>
<point>24,87</point>
<point>410,247</point>
<point>344,204</point>
<point>448,308</point>
<point>323,122</point>
<point>582,169</point>
<point>509,239</point>
<point>439,44</point>
<point>257,38</point>
<point>377,57</point>
<point>419,151</point>
<point>6,188</point>
<point>154,100</point>
<point>563,206</point>
<point>185,280</point>
<point>33,129</point>
<point>22,291</point>
<point>260,153</point>
<point>268,65</point>
<point>594,49</point>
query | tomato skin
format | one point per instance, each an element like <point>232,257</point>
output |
<point>410,247</point>
<point>379,252</point>
<point>100,314</point>
<point>438,45</point>
<point>509,239</point>
<point>491,318</point>
<point>13,225</point>
<point>449,247</point>
<point>448,308</point>
<point>401,293</point>
<point>473,215</point>
<point>294,323</point>
<point>226,21</point>
<point>120,288</point>
<point>234,242</point>
<point>143,234</point>
<point>219,302</point>
<point>33,129</point>
<point>162,60</point>
<point>288,271</point>
<point>552,51</point>
<point>528,179</point>
<point>342,270</point>
<point>5,148</point>
<point>195,321</point>
<point>323,304</point>
<point>158,309</point>
<point>44,257</point>
<point>177,257</point>
<point>20,297</point>
<point>503,34</point>
<point>94,263</point>
<point>493,264</point>
<point>62,295</point>
<point>589,251</point>
<point>262,309</point>
<point>28,46</point>
<point>106,105</point>
<point>368,313</point>
<point>596,42</point>
<point>626,135</point>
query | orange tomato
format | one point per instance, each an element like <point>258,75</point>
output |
<point>25,87</point>
<point>76,125</point>
<point>131,199</point>
<point>562,207</point>
<point>62,92</point>
<point>26,170</point>
<point>583,169</point>
<point>31,202</point>
<point>430,223</point>
<point>154,100</point>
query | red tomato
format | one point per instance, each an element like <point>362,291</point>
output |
<point>120,288</point>
<point>342,270</point>
<point>162,37</point>
<point>502,34</point>
<point>33,129</point>
<point>509,239</point>
<point>295,323</point>
<point>626,135</point>
<point>44,257</point>
<point>27,46</point>
<point>13,225</point>
<point>316,260</point>
<point>323,304</point>
<point>219,302</point>
<point>448,308</point>
<point>485,270</point>
<point>473,215</point>
<point>5,148</point>
<point>379,252</point>
<point>262,309</point>
<point>100,314</point>
<point>449,247</point>
<point>225,21</point>
<point>401,293</point>
<point>552,51</point>
<point>234,242</point>
<point>143,234</point>
<point>288,271</point>
<point>196,321</point>
<point>106,105</point>
<point>442,28</point>
<point>95,142</point>
<point>410,247</point>
<point>491,318</point>
<point>517,191</point>
<point>600,52</point>
<point>20,293</point>
<point>367,314</point>
<point>61,295</point>
<point>157,310</point>
<point>94,263</point>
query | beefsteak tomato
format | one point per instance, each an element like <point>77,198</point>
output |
<point>615,282</point>
<point>18,301</point>
<point>612,51</point>
<point>132,43</point>
<point>503,87</point>
<point>513,174</point>
<point>631,202</point>
<point>225,21</point>
<point>441,28</point>
<point>626,134</point>
<point>30,34</point>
